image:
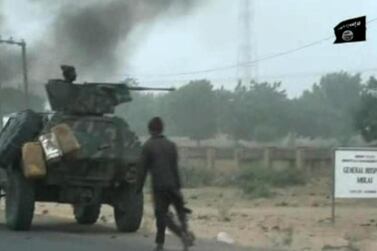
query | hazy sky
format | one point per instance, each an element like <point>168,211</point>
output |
<point>208,37</point>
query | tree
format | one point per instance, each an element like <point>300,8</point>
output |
<point>143,107</point>
<point>223,99</point>
<point>233,113</point>
<point>268,105</point>
<point>139,111</point>
<point>191,110</point>
<point>257,111</point>
<point>366,116</point>
<point>327,110</point>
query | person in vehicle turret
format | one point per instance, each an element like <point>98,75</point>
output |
<point>69,73</point>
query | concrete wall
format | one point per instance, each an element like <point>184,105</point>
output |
<point>311,160</point>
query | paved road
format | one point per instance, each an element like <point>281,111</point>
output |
<point>56,234</point>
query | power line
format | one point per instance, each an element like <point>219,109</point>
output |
<point>372,20</point>
<point>233,66</point>
<point>249,63</point>
<point>276,76</point>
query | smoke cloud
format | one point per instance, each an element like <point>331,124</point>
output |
<point>8,58</point>
<point>1,14</point>
<point>89,35</point>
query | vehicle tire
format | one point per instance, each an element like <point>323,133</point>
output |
<point>86,214</point>
<point>19,200</point>
<point>129,212</point>
<point>21,128</point>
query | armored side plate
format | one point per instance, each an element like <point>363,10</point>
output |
<point>92,99</point>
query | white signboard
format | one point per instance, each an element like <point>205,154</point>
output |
<point>356,173</point>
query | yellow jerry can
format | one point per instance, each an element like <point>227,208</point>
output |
<point>34,165</point>
<point>67,140</point>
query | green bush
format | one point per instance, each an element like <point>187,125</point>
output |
<point>288,177</point>
<point>257,189</point>
<point>257,182</point>
<point>196,176</point>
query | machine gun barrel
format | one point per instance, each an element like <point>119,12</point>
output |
<point>131,88</point>
<point>137,88</point>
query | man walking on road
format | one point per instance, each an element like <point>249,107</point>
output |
<point>159,157</point>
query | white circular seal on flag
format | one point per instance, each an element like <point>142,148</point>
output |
<point>347,35</point>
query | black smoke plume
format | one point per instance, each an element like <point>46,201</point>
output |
<point>89,35</point>
<point>10,61</point>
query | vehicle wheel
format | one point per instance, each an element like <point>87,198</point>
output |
<point>19,200</point>
<point>86,214</point>
<point>17,131</point>
<point>129,212</point>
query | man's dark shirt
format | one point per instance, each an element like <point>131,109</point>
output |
<point>159,157</point>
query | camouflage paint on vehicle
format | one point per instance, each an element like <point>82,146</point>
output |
<point>94,98</point>
<point>101,169</point>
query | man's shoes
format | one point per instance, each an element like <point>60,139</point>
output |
<point>188,240</point>
<point>191,238</point>
<point>159,247</point>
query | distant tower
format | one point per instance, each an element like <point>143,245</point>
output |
<point>247,42</point>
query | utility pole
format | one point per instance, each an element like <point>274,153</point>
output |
<point>25,73</point>
<point>22,44</point>
<point>1,110</point>
<point>247,42</point>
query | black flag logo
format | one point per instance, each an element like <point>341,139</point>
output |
<point>351,30</point>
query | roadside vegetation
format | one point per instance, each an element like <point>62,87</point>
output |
<point>193,177</point>
<point>262,111</point>
<point>254,182</point>
<point>260,181</point>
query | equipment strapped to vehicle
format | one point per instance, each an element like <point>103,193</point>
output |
<point>80,153</point>
<point>66,139</point>
<point>33,162</point>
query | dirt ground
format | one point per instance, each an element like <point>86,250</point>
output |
<point>297,218</point>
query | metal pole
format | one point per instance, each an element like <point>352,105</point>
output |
<point>21,43</point>
<point>333,188</point>
<point>1,109</point>
<point>25,73</point>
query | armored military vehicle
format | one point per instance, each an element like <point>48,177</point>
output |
<point>80,153</point>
